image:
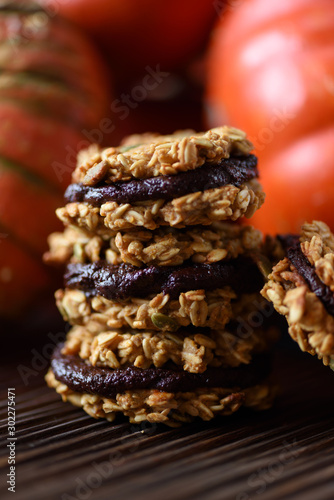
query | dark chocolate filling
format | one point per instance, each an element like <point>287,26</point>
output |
<point>234,170</point>
<point>124,280</point>
<point>307,271</point>
<point>288,240</point>
<point>106,382</point>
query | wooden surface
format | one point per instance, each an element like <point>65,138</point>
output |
<point>284,453</point>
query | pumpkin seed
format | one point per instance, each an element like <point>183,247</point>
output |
<point>263,263</point>
<point>164,322</point>
<point>127,148</point>
<point>78,252</point>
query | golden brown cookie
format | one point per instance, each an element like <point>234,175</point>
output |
<point>159,395</point>
<point>142,156</point>
<point>202,207</point>
<point>162,247</point>
<point>179,180</point>
<point>192,349</point>
<point>301,288</point>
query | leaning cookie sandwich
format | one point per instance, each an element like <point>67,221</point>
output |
<point>301,288</point>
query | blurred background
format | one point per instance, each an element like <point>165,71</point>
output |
<point>76,72</point>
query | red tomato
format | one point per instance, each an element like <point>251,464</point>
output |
<point>271,73</point>
<point>146,32</point>
<point>299,183</point>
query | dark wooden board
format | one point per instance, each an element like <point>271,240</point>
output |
<point>284,453</point>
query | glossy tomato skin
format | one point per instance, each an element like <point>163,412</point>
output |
<point>147,32</point>
<point>271,73</point>
<point>299,183</point>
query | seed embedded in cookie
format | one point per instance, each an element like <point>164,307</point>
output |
<point>199,308</point>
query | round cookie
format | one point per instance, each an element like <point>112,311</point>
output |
<point>162,247</point>
<point>159,395</point>
<point>143,156</point>
<point>179,180</point>
<point>301,287</point>
<point>195,308</point>
<point>192,349</point>
<point>199,308</point>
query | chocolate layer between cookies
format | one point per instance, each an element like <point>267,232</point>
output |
<point>301,287</point>
<point>308,272</point>
<point>81,377</point>
<point>160,286</point>
<point>150,155</point>
<point>167,396</point>
<point>123,281</point>
<point>234,170</point>
<point>179,180</point>
<point>202,207</point>
<point>172,409</point>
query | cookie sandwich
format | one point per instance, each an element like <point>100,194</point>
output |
<point>161,284</point>
<point>301,288</point>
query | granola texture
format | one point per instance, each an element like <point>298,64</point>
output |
<point>309,323</point>
<point>150,155</point>
<point>158,312</point>
<point>194,351</point>
<point>172,409</point>
<point>203,207</point>
<point>197,330</point>
<point>163,247</point>
<point>198,308</point>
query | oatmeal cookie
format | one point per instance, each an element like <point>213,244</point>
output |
<point>227,202</point>
<point>149,155</point>
<point>157,395</point>
<point>163,247</point>
<point>301,287</point>
<point>193,350</point>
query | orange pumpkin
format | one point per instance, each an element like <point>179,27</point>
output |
<point>271,73</point>
<point>53,87</point>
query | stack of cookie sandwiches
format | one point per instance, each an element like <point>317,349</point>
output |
<point>162,285</point>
